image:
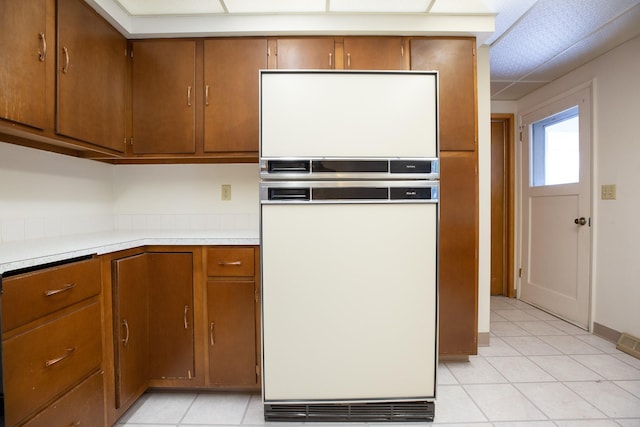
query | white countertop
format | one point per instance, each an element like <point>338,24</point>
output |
<point>30,253</point>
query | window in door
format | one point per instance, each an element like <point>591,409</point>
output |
<point>555,151</point>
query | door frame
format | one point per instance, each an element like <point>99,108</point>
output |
<point>508,121</point>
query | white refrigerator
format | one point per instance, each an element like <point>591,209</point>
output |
<point>349,211</point>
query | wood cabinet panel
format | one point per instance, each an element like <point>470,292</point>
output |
<point>230,262</point>
<point>36,294</point>
<point>171,341</point>
<point>130,328</point>
<point>373,53</point>
<point>48,360</point>
<point>458,253</point>
<point>306,53</point>
<point>454,59</point>
<point>23,71</point>
<point>82,406</point>
<point>164,97</point>
<point>232,333</point>
<point>231,93</point>
<point>91,77</point>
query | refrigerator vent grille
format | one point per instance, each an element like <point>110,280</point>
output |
<point>363,412</point>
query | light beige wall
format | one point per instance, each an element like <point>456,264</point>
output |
<point>615,157</point>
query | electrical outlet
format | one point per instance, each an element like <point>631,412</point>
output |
<point>225,191</point>
<point>608,192</point>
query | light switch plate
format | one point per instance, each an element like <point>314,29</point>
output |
<point>608,192</point>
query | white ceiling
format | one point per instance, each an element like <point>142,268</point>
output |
<point>532,42</point>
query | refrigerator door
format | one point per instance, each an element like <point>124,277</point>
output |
<point>342,114</point>
<point>349,302</point>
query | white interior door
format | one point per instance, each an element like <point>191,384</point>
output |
<point>556,208</point>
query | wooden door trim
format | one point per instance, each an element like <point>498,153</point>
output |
<point>509,151</point>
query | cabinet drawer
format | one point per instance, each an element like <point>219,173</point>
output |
<point>226,261</point>
<point>82,406</point>
<point>48,360</point>
<point>32,295</point>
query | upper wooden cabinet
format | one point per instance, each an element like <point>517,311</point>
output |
<point>305,53</point>
<point>374,53</point>
<point>25,49</point>
<point>164,97</point>
<point>92,61</point>
<point>231,94</point>
<point>454,59</point>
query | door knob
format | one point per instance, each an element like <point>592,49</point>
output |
<point>580,221</point>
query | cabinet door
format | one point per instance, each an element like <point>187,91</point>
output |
<point>458,253</point>
<point>373,53</point>
<point>23,43</point>
<point>130,328</point>
<point>455,61</point>
<point>312,53</point>
<point>171,343</point>
<point>164,96</point>
<point>231,93</point>
<point>91,77</point>
<point>232,333</point>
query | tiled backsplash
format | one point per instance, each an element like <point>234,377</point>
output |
<point>226,221</point>
<point>46,195</point>
<point>17,229</point>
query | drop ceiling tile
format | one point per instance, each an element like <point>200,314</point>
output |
<point>517,91</point>
<point>608,37</point>
<point>508,13</point>
<point>378,6</point>
<point>497,86</point>
<point>275,6</point>
<point>547,30</point>
<point>461,6</point>
<point>170,7</point>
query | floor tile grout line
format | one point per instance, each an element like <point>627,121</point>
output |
<point>188,408</point>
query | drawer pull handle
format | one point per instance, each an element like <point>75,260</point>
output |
<point>52,362</point>
<point>229,263</point>
<point>188,96</point>
<point>65,288</point>
<point>186,320</point>
<point>212,336</point>
<point>74,424</point>
<point>206,95</point>
<point>125,340</point>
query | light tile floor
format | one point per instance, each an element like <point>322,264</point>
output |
<point>538,371</point>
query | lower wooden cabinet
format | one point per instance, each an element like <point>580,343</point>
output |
<point>48,357</point>
<point>171,341</point>
<point>233,313</point>
<point>131,326</point>
<point>181,317</point>
<point>82,406</point>
<point>232,333</point>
